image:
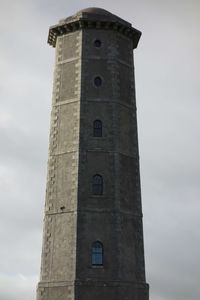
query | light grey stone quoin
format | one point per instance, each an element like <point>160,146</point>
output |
<point>93,81</point>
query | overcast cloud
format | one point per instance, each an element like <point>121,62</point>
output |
<point>167,82</point>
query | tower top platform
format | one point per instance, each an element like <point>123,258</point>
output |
<point>93,17</point>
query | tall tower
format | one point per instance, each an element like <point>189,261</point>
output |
<point>93,236</point>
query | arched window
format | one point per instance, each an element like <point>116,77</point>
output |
<point>97,185</point>
<point>97,254</point>
<point>97,43</point>
<point>97,81</point>
<point>97,128</point>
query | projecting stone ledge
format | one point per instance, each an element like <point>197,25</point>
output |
<point>93,17</point>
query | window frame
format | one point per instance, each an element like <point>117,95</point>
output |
<point>97,187</point>
<point>97,43</point>
<point>97,130</point>
<point>97,253</point>
<point>98,81</point>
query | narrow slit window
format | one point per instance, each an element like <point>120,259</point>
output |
<point>97,185</point>
<point>97,128</point>
<point>97,254</point>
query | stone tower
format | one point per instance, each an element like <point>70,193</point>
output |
<point>93,236</point>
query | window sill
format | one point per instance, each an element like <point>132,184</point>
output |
<point>97,267</point>
<point>97,196</point>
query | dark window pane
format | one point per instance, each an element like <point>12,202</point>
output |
<point>97,253</point>
<point>97,81</point>
<point>97,185</point>
<point>97,179</point>
<point>97,43</point>
<point>97,128</point>
<point>97,189</point>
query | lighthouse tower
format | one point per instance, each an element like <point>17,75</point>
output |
<point>93,235</point>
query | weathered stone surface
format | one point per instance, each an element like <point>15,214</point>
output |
<point>74,217</point>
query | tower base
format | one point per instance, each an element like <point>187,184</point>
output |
<point>92,289</point>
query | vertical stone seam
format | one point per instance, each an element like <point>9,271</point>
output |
<point>76,133</point>
<point>115,76</point>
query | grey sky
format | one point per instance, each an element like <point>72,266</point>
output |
<point>168,89</point>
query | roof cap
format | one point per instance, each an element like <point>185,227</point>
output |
<point>95,10</point>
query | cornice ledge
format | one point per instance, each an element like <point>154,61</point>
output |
<point>76,23</point>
